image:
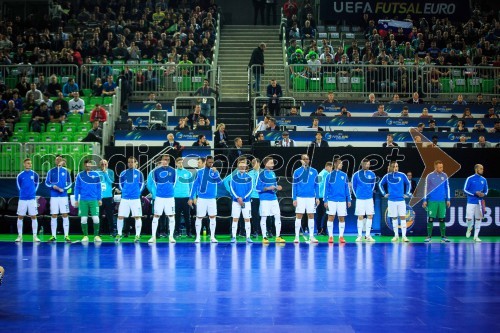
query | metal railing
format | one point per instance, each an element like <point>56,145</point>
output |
<point>186,108</point>
<point>11,74</point>
<point>11,159</point>
<point>259,101</point>
<point>259,81</point>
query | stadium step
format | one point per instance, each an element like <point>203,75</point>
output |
<point>236,117</point>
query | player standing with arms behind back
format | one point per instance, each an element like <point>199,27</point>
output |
<point>476,188</point>
<point>27,184</point>
<point>88,199</point>
<point>59,181</point>
<point>363,183</point>
<point>241,190</point>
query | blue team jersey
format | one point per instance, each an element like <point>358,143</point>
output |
<point>27,184</point>
<point>397,184</point>
<point>363,183</point>
<point>255,177</point>
<point>474,184</point>
<point>267,178</point>
<point>241,186</point>
<point>305,183</point>
<point>164,180</point>
<point>88,186</point>
<point>322,180</point>
<point>107,179</point>
<point>60,177</point>
<point>337,187</point>
<point>205,184</point>
<point>183,183</point>
<point>436,187</point>
<point>131,184</point>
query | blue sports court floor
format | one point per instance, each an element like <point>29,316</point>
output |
<point>250,288</point>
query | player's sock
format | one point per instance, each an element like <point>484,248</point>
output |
<point>442,228</point>
<point>85,227</point>
<point>138,227</point>
<point>212,227</point>
<point>469,223</point>
<point>197,225</point>
<point>395,227</point>
<point>66,226</point>
<point>154,226</point>
<point>53,226</point>
<point>297,227</point>
<point>263,225</point>
<point>341,229</point>
<point>430,224</point>
<point>171,225</point>
<point>277,223</point>
<point>97,225</point>
<point>310,226</point>
<point>329,226</point>
<point>477,227</point>
<point>34,226</point>
<point>234,228</point>
<point>119,226</point>
<point>19,227</point>
<point>403,228</point>
<point>248,228</point>
<point>368,227</point>
<point>360,228</point>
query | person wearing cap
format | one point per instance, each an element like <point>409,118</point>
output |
<point>285,141</point>
<point>319,112</point>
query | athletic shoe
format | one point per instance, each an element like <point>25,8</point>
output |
<point>36,239</point>
<point>265,240</point>
<point>341,240</point>
<point>359,239</point>
<point>279,240</point>
<point>163,235</point>
<point>233,239</point>
<point>213,240</point>
<point>152,240</point>
<point>445,240</point>
<point>405,239</point>
<point>330,239</point>
<point>52,239</point>
<point>249,240</point>
<point>313,240</point>
<point>296,240</point>
<point>97,239</point>
<point>395,239</point>
<point>427,240</point>
<point>469,231</point>
<point>66,239</point>
<point>137,238</point>
<point>370,239</point>
<point>118,238</point>
<point>477,240</point>
<point>172,240</point>
<point>19,239</point>
<point>197,240</point>
<point>85,239</point>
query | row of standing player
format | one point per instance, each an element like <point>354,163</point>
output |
<point>93,188</point>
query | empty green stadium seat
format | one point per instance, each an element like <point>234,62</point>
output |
<point>17,137</point>
<point>48,137</point>
<point>488,86</point>
<point>32,137</point>
<point>65,137</point>
<point>21,128</point>
<point>299,83</point>
<point>329,83</point>
<point>53,128</point>
<point>74,118</point>
<point>68,127</point>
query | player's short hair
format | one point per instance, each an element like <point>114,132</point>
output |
<point>236,139</point>
<point>436,162</point>
<point>202,159</point>
<point>328,164</point>
<point>179,159</point>
<point>166,156</point>
<point>337,161</point>
<point>26,160</point>
<point>132,158</point>
<point>476,167</point>
<point>266,159</point>
<point>209,157</point>
<point>365,160</point>
<point>88,161</point>
<point>255,160</point>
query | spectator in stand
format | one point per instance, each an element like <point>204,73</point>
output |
<point>371,99</point>
<point>315,126</point>
<point>294,112</point>
<point>344,112</point>
<point>97,87</point>
<point>98,113</point>
<point>432,126</point>
<point>460,100</point>
<point>206,91</point>
<point>290,8</point>
<point>425,113</point>
<point>29,104</point>
<point>420,127</point>
<point>235,151</point>
<point>271,125</point>
<point>37,94</point>
<point>182,125</point>
<point>5,132</point>
<point>203,125</point>
<point>274,93</point>
<point>331,99</point>
<point>70,87</point>
<point>54,87</point>
<point>61,101</point>
<point>109,87</point>
<point>496,127</point>
<point>172,143</point>
<point>491,114</point>
<point>45,99</point>
<point>413,183</point>
<point>415,99</point>
<point>380,112</point>
<point>40,117</point>
<point>285,141</point>
<point>262,125</point>
<point>95,133</point>
<point>57,114</point>
<point>405,112</point>
<point>18,101</point>
<point>201,142</point>
<point>462,140</point>
<point>257,59</point>
<point>435,143</point>
<point>11,114</point>
<point>479,127</point>
<point>461,128</point>
<point>389,141</point>
<point>319,112</point>
<point>220,136</point>
<point>76,104</point>
<point>23,86</point>
<point>396,100</point>
<point>482,143</point>
<point>318,142</point>
<point>479,99</point>
<point>194,117</point>
<point>467,114</point>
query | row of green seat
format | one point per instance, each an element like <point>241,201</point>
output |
<point>11,164</point>
<point>48,137</point>
<point>71,118</point>
<point>23,127</point>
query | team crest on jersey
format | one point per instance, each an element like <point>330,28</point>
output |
<point>62,173</point>
<point>442,178</point>
<point>135,176</point>
<point>310,173</point>
<point>32,177</point>
<point>342,177</point>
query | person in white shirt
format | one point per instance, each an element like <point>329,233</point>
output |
<point>76,105</point>
<point>262,125</point>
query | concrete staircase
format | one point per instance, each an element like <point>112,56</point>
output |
<point>236,45</point>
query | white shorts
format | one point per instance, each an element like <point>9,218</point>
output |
<point>59,205</point>
<point>206,207</point>
<point>473,211</point>
<point>337,208</point>
<point>305,205</point>
<point>364,207</point>
<point>237,210</point>
<point>396,208</point>
<point>269,208</point>
<point>29,206</point>
<point>166,205</point>
<point>130,207</point>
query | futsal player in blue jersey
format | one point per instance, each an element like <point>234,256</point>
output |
<point>27,184</point>
<point>337,199</point>
<point>363,183</point>
<point>476,188</point>
<point>241,190</point>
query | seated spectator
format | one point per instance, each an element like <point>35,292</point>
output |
<point>18,101</point>
<point>482,143</point>
<point>97,87</point>
<point>57,115</point>
<point>29,105</point>
<point>235,152</point>
<point>315,126</point>
<point>37,94</point>
<point>344,112</point>
<point>203,124</point>
<point>460,100</point>
<point>195,116</point>
<point>40,117</point>
<point>331,99</point>
<point>318,142</point>
<point>45,99</point>
<point>462,140</point>
<point>435,143</point>
<point>11,114</point>
<point>396,100</point>
<point>425,113</point>
<point>95,133</point>
<point>262,125</point>
<point>479,127</point>
<point>491,114</point>
<point>294,112</point>
<point>76,104</point>
<point>380,112</point>
<point>54,87</point>
<point>220,136</point>
<point>389,141</point>
<point>432,126</point>
<point>182,125</point>
<point>172,143</point>
<point>201,142</point>
<point>415,99</point>
<point>108,88</point>
<point>479,99</point>
<point>259,137</point>
<point>420,127</point>
<point>263,111</point>
<point>467,114</point>
<point>319,112</point>
<point>98,113</point>
<point>70,87</point>
<point>405,112</point>
<point>460,128</point>
<point>5,132</point>
<point>272,126</point>
<point>371,99</point>
<point>496,127</point>
<point>285,141</point>
<point>61,101</point>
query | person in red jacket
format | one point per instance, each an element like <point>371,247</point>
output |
<point>98,113</point>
